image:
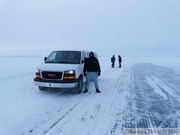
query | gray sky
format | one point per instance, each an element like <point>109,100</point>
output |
<point>126,27</point>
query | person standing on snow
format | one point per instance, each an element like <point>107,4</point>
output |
<point>113,61</point>
<point>119,60</point>
<point>92,71</point>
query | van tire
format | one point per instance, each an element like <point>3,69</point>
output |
<point>79,86</point>
<point>41,88</point>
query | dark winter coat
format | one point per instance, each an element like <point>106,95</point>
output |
<point>113,58</point>
<point>92,65</point>
<point>119,59</point>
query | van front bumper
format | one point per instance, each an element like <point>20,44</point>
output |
<point>56,83</point>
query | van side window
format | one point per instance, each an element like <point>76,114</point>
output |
<point>83,57</point>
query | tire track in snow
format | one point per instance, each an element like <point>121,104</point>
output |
<point>91,117</point>
<point>124,87</point>
<point>58,120</point>
<point>44,122</point>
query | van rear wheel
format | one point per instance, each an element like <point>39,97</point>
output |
<point>79,86</point>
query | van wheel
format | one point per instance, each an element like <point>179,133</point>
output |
<point>41,88</point>
<point>79,86</point>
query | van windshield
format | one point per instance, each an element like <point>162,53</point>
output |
<point>69,57</point>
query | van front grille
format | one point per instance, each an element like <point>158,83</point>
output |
<point>51,75</point>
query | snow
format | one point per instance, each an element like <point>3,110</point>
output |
<point>144,93</point>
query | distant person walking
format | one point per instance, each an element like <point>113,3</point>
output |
<point>119,60</point>
<point>113,61</point>
<point>92,70</point>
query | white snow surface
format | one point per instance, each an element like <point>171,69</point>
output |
<point>144,93</point>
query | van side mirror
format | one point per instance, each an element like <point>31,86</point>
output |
<point>45,58</point>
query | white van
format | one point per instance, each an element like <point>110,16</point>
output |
<point>62,69</point>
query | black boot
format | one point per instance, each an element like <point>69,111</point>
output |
<point>98,91</point>
<point>86,90</point>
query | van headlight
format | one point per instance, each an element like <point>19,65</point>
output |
<point>69,75</point>
<point>38,74</point>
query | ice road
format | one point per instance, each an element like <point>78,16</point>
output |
<point>144,93</point>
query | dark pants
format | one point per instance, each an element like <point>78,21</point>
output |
<point>119,64</point>
<point>113,64</point>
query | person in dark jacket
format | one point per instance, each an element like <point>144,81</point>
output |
<point>92,70</point>
<point>119,60</point>
<point>113,61</point>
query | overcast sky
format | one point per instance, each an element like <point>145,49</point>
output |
<point>126,27</point>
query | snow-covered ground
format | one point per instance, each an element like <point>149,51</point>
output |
<point>144,93</point>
